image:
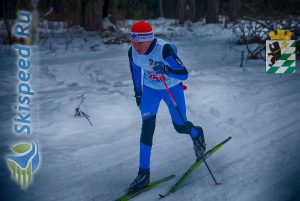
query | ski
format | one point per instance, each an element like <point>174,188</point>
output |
<point>149,187</point>
<point>193,168</point>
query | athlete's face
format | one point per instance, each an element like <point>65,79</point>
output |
<point>141,47</point>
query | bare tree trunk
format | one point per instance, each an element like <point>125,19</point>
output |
<point>23,4</point>
<point>192,10</point>
<point>161,8</point>
<point>8,14</point>
<point>34,22</point>
<point>74,11</point>
<point>8,29</point>
<point>112,10</point>
<point>182,8</point>
<point>93,15</point>
<point>212,11</point>
<point>234,6</point>
<point>201,9</point>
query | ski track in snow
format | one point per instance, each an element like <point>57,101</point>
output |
<point>79,162</point>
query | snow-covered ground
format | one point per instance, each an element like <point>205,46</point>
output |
<point>79,162</point>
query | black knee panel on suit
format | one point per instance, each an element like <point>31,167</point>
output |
<point>182,128</point>
<point>148,128</point>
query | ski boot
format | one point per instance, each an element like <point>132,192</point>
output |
<point>140,182</point>
<point>199,142</point>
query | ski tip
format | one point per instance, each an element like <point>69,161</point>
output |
<point>161,196</point>
<point>172,176</point>
<point>229,138</point>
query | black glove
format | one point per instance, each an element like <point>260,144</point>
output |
<point>160,67</point>
<point>138,99</point>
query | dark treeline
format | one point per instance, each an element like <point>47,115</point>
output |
<point>90,13</point>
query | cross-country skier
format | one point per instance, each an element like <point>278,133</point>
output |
<point>155,57</point>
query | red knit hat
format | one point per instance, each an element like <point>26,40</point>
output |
<point>141,31</point>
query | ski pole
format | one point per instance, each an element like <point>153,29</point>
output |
<point>163,79</point>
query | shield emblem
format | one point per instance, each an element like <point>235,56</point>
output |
<point>281,53</point>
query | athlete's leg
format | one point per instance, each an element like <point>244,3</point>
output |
<point>178,95</point>
<point>182,125</point>
<point>149,106</point>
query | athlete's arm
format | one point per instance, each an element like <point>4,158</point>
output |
<point>176,68</point>
<point>136,74</point>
